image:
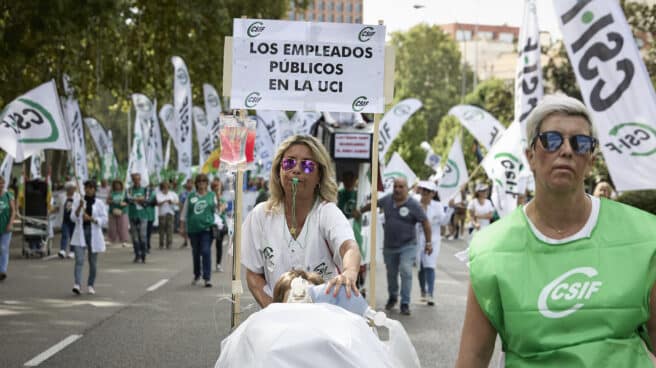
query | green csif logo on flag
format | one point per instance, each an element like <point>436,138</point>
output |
<point>29,118</point>
<point>633,137</point>
<point>451,176</point>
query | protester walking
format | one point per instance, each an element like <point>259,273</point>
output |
<point>137,197</point>
<point>67,225</point>
<point>118,227</point>
<point>196,221</point>
<point>7,215</point>
<point>89,215</point>
<point>220,228</point>
<point>166,199</point>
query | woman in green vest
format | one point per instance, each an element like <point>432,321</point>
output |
<point>568,279</point>
<point>7,214</point>
<point>196,220</point>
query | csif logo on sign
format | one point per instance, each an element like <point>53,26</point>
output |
<point>252,99</point>
<point>32,116</point>
<point>568,292</point>
<point>213,100</point>
<point>511,166</point>
<point>255,29</point>
<point>366,33</point>
<point>602,95</point>
<point>360,103</point>
<point>451,176</point>
<point>636,138</point>
<point>182,76</point>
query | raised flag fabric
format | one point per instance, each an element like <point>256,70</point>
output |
<point>397,167</point>
<point>167,115</point>
<point>5,169</point>
<point>393,121</point>
<point>481,124</point>
<point>303,121</point>
<point>615,86</point>
<point>454,173</point>
<point>33,122</point>
<point>137,161</point>
<point>273,120</point>
<point>264,148</point>
<point>76,129</point>
<point>213,112</point>
<point>182,111</point>
<point>203,135</point>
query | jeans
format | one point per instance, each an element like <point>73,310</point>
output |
<point>79,259</point>
<point>201,248</point>
<point>219,245</point>
<point>149,232</point>
<point>165,231</point>
<point>5,240</point>
<point>66,234</point>
<point>400,260</point>
<point>138,234</point>
<point>426,279</point>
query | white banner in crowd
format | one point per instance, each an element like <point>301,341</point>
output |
<point>481,124</point>
<point>528,80</point>
<point>137,161</point>
<point>303,121</point>
<point>273,120</point>
<point>167,154</point>
<point>35,165</point>
<point>504,163</point>
<point>202,135</point>
<point>76,129</point>
<point>110,164</point>
<point>154,144</point>
<point>264,148</point>
<point>615,86</point>
<point>33,122</point>
<point>182,107</point>
<point>286,65</point>
<point>146,118</point>
<point>393,121</point>
<point>101,140</point>
<point>455,173</point>
<point>167,115</point>
<point>397,167</point>
<point>213,112</point>
<point>5,169</point>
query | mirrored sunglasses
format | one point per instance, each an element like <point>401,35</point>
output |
<point>552,140</point>
<point>307,166</point>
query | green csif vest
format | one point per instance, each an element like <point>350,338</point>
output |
<point>578,304</point>
<point>200,212</point>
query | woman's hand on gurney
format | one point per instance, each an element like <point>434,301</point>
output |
<point>347,279</point>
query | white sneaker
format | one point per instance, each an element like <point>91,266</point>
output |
<point>219,268</point>
<point>76,289</point>
<point>91,290</point>
<point>62,254</point>
<point>430,301</point>
<point>71,254</point>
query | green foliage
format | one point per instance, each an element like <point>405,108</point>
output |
<point>428,67</point>
<point>643,199</point>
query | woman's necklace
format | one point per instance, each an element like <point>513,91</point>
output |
<point>292,229</point>
<point>560,231</point>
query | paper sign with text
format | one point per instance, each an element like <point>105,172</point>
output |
<point>352,146</point>
<point>287,65</point>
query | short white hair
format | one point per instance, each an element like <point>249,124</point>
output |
<point>556,104</point>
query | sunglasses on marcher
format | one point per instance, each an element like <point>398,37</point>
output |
<point>307,166</point>
<point>552,140</point>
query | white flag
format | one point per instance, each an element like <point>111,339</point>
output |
<point>154,144</point>
<point>167,154</point>
<point>454,174</point>
<point>615,86</point>
<point>202,135</point>
<point>110,164</point>
<point>213,112</point>
<point>35,165</point>
<point>393,121</point>
<point>5,169</point>
<point>273,120</point>
<point>33,122</point>
<point>504,163</point>
<point>145,114</point>
<point>137,162</point>
<point>303,121</point>
<point>182,106</point>
<point>397,167</point>
<point>528,81</point>
<point>483,126</point>
<point>98,135</point>
<point>74,119</point>
<point>264,148</point>
<point>167,115</point>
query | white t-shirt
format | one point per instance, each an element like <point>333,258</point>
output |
<point>585,231</point>
<point>166,208</point>
<point>268,248</point>
<point>480,210</point>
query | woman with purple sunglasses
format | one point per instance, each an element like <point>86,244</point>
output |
<point>300,226</point>
<point>568,279</point>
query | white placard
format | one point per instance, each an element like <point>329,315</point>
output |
<point>286,65</point>
<point>352,145</point>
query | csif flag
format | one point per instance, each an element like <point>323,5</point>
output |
<point>213,112</point>
<point>393,121</point>
<point>33,122</point>
<point>76,130</point>
<point>203,135</point>
<point>454,173</point>
<point>397,168</point>
<point>303,121</point>
<point>615,86</point>
<point>5,170</point>
<point>182,112</point>
<point>481,124</point>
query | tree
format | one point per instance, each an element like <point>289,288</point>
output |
<point>428,67</point>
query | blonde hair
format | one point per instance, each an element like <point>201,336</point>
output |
<point>327,189</point>
<point>284,283</point>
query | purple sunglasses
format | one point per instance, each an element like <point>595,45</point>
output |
<point>307,166</point>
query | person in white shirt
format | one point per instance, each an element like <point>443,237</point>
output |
<point>166,200</point>
<point>480,209</point>
<point>300,225</point>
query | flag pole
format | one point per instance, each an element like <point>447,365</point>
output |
<point>237,288</point>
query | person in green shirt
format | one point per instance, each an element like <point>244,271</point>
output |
<point>568,279</point>
<point>150,212</point>
<point>137,198</point>
<point>7,215</point>
<point>118,230</point>
<point>347,198</point>
<point>196,221</point>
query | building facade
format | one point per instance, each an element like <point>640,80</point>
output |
<point>334,11</point>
